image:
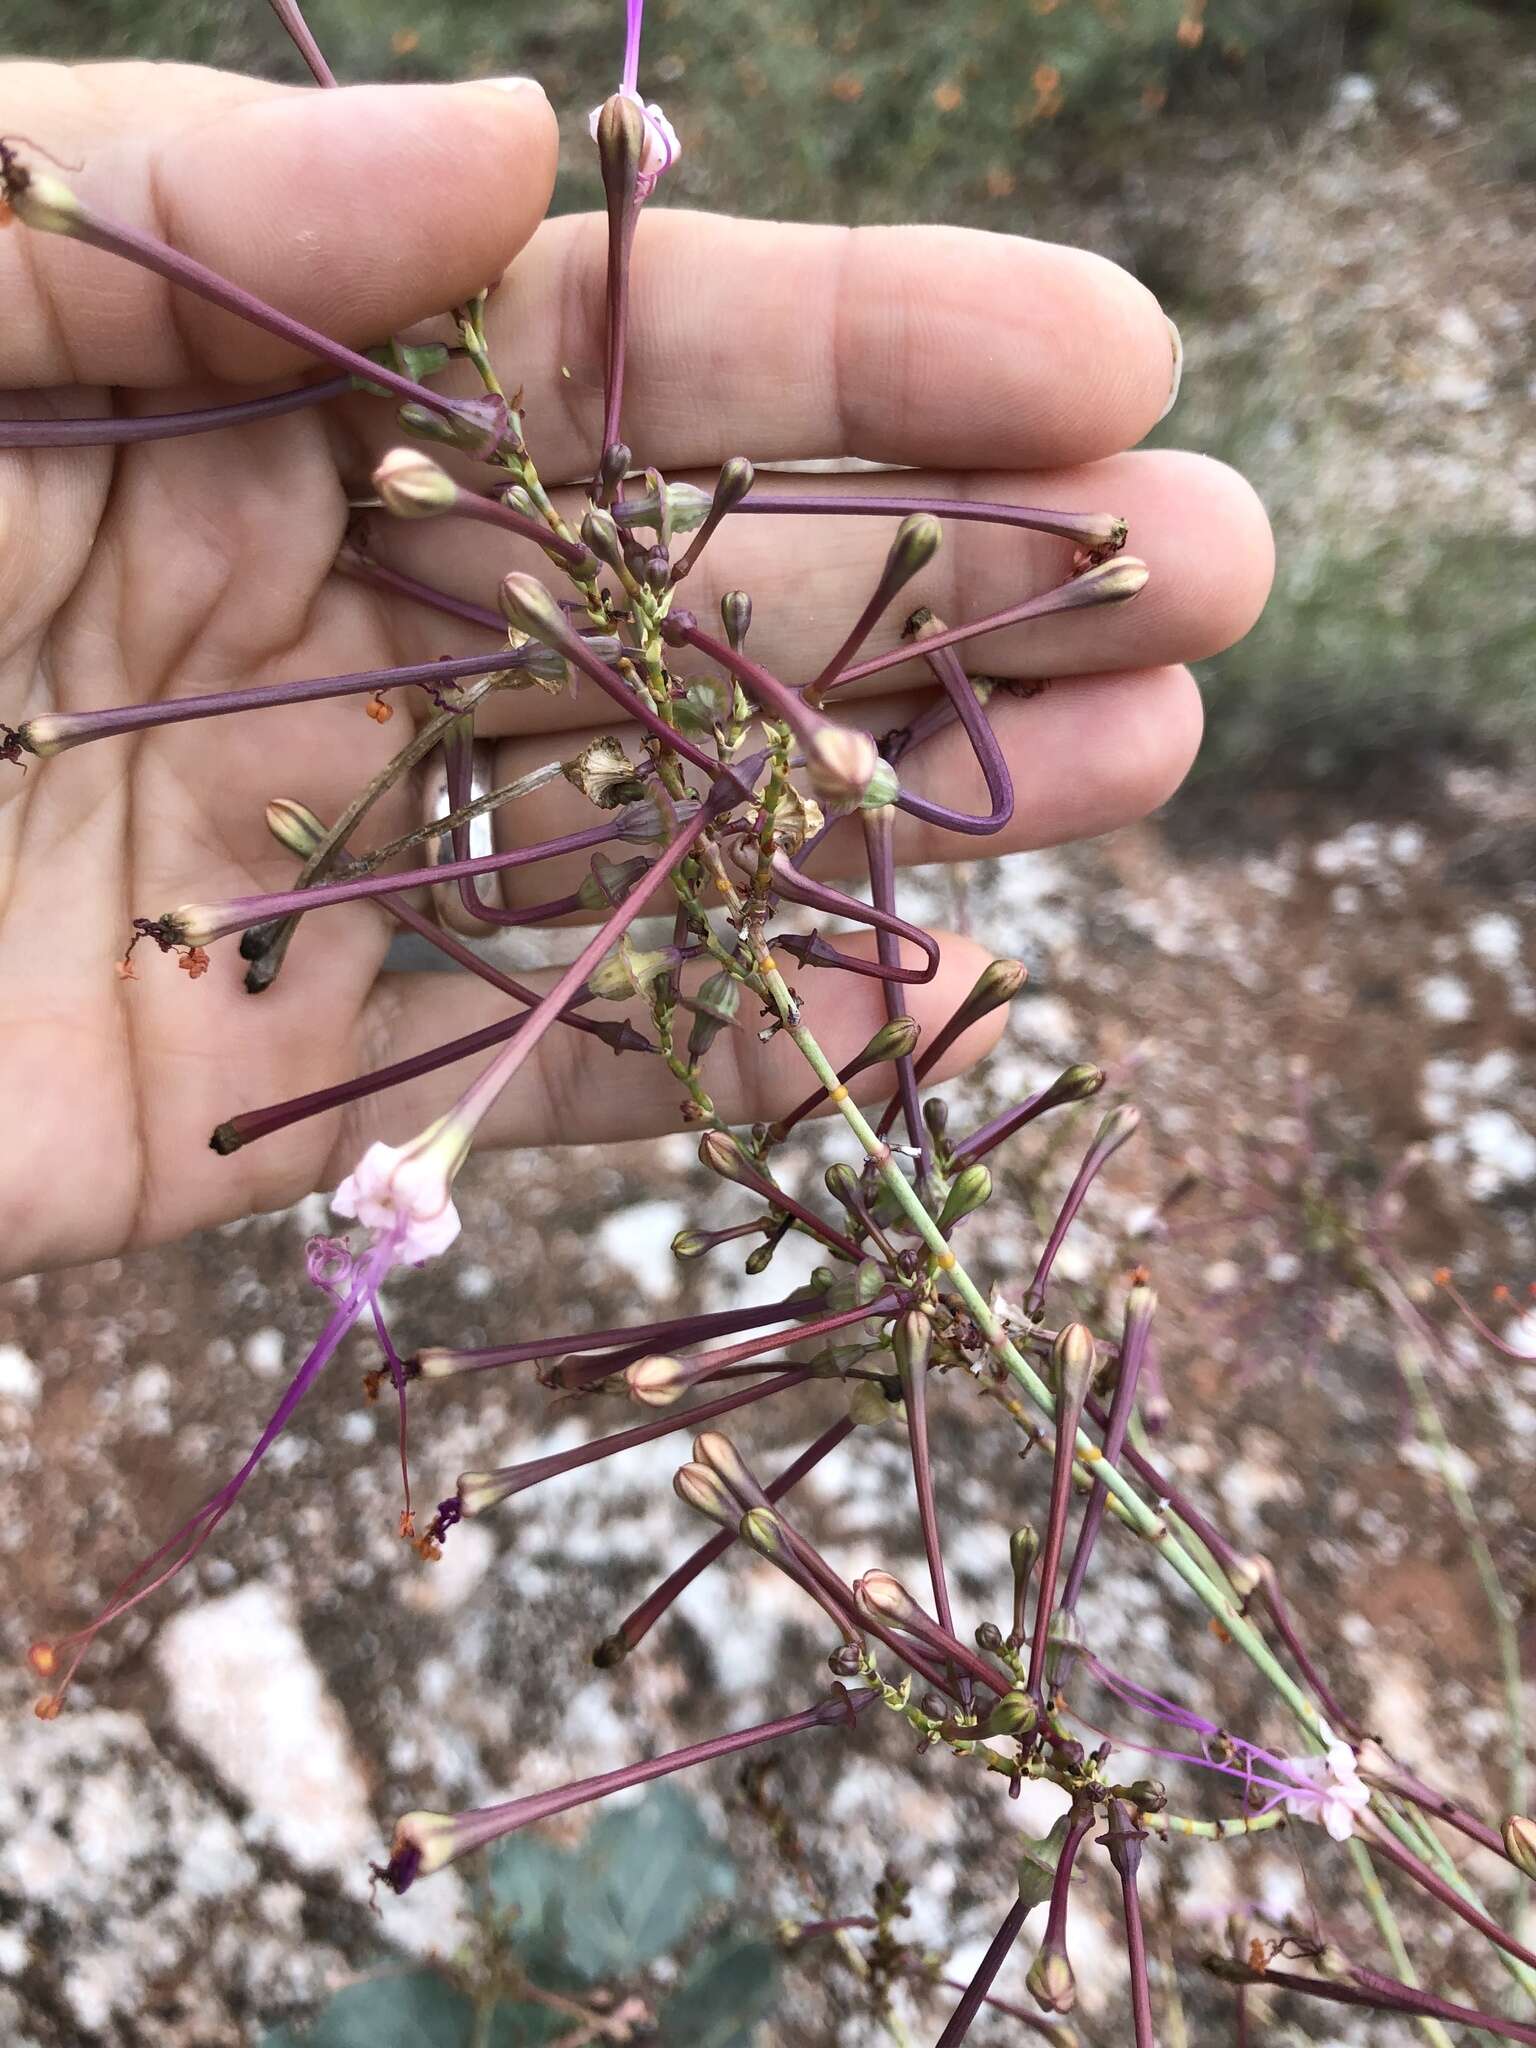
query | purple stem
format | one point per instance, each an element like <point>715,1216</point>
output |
<point>975,1992</point>
<point>244,911</point>
<point>707,1362</point>
<point>812,950</point>
<point>1031,2020</point>
<point>1133,1350</point>
<point>880,856</point>
<point>1387,1994</point>
<point>252,1124</point>
<point>93,725</point>
<point>1124,1839</point>
<point>637,1624</point>
<point>1403,1784</point>
<point>1431,1881</point>
<point>488,1823</point>
<point>1066,597</point>
<point>684,1329</point>
<point>984,745</point>
<point>117,238</point>
<point>1003,1127</point>
<point>1098,1155</point>
<point>166,426</point>
<point>492,512</point>
<point>914,1387</point>
<point>512,1479</point>
<point>621,182</point>
<point>1087,529</point>
<point>363,569</point>
<point>287,12</point>
<point>822,896</point>
<point>1069,1400</point>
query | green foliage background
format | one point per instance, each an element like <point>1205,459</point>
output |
<point>1107,121</point>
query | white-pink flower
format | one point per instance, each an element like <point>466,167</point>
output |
<point>1333,1793</point>
<point>662,148</point>
<point>402,1192</point>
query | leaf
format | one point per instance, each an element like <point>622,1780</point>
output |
<point>644,1876</point>
<point>532,1880</point>
<point>414,2009</point>
<point>724,1998</point>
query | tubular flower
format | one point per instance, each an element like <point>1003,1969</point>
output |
<point>661,148</point>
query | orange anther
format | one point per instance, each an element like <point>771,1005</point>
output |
<point>44,1659</point>
<point>193,963</point>
<point>1442,1276</point>
<point>380,712</point>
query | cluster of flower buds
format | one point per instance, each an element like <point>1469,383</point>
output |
<point>722,782</point>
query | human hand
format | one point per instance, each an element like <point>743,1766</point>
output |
<point>996,367</point>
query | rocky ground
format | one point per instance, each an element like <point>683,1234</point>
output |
<point>1289,994</point>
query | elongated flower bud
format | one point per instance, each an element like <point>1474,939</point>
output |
<point>704,1491</point>
<point>715,1008</point>
<point>1023,1549</point>
<point>1050,1981</point>
<point>1072,1361</point>
<point>712,1448</point>
<point>600,532</point>
<point>294,826</point>
<point>736,617</point>
<point>912,1341</point>
<point>413,486</point>
<point>842,762</point>
<point>881,1597</point>
<point>42,202</point>
<point>657,1381</point>
<point>762,1528</point>
<point>1520,1843</point>
<point>722,1155</point>
<point>527,605</point>
<point>969,1191</point>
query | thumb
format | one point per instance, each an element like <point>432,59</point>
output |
<point>358,211</point>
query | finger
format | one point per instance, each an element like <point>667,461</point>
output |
<point>905,344</point>
<point>1197,524</point>
<point>1086,757</point>
<point>575,1091</point>
<point>359,211</point>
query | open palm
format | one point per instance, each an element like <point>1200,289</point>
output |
<point>995,366</point>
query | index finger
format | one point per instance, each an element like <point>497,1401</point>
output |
<point>937,346</point>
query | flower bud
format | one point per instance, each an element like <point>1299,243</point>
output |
<point>912,1341</point>
<point>613,466</point>
<point>1050,1981</point>
<point>657,1381</point>
<point>1076,1084</point>
<point>714,1450</point>
<point>969,1190</point>
<point>1072,1361</point>
<point>421,1844</point>
<point>1520,1843</point>
<point>703,1490</point>
<point>294,826</point>
<point>413,486</point>
<point>736,617</point>
<point>600,531</point>
<point>846,1661</point>
<point>762,1529</point>
<point>527,605</point>
<point>714,1010</point>
<point>1148,1795</point>
<point>1023,1549</point>
<point>620,133</point>
<point>998,983</point>
<point>722,1155</point>
<point>917,540</point>
<point>989,1637</point>
<point>936,1117</point>
<point>880,1597</point>
<point>759,1260</point>
<point>43,202</point>
<point>1111,582</point>
<point>1014,1714</point>
<point>893,1041</point>
<point>602,771</point>
<point>842,761</point>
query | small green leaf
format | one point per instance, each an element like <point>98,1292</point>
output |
<point>412,2009</point>
<point>725,1997</point>
<point>645,1875</point>
<point>532,1880</point>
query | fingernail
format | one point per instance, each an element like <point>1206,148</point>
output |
<point>1178,370</point>
<point>513,84</point>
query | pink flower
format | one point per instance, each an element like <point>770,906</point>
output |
<point>662,148</point>
<point>402,1193</point>
<point>1330,1791</point>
